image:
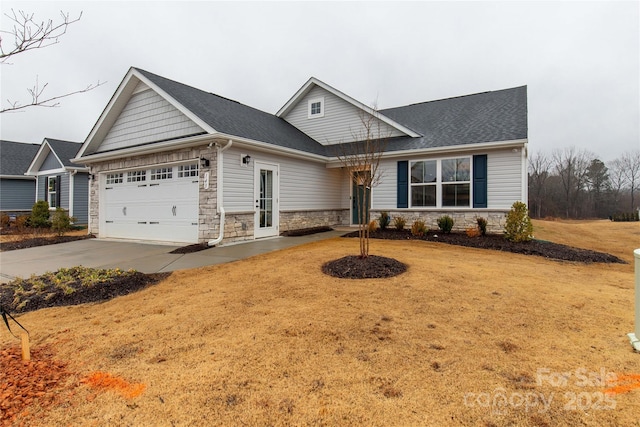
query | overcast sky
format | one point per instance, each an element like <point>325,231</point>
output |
<point>580,60</point>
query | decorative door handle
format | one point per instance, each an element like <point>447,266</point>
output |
<point>173,210</point>
<point>124,211</point>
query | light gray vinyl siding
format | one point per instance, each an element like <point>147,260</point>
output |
<point>503,179</point>
<point>147,117</point>
<point>81,198</point>
<point>17,194</point>
<point>50,162</point>
<point>304,185</point>
<point>342,121</point>
<point>504,175</point>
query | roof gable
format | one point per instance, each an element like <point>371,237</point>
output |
<point>343,116</point>
<point>54,154</point>
<point>15,157</point>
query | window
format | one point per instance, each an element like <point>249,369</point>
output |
<point>316,108</point>
<point>161,173</point>
<point>186,171</point>
<point>441,183</point>
<point>136,176</point>
<point>52,191</point>
<point>115,178</point>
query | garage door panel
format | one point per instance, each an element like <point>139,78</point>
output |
<point>163,210</point>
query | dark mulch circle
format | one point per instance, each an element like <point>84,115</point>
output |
<point>500,243</point>
<point>190,248</point>
<point>305,231</point>
<point>371,267</point>
<point>41,241</point>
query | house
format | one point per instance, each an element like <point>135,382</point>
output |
<point>58,181</point>
<point>17,191</point>
<point>170,162</point>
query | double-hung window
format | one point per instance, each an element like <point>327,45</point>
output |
<point>441,183</point>
<point>52,195</point>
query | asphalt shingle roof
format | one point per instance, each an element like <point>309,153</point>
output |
<point>15,157</point>
<point>65,150</point>
<point>233,118</point>
<point>483,117</point>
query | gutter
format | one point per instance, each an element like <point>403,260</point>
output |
<point>219,190</point>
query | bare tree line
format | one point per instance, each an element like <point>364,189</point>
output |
<point>575,183</point>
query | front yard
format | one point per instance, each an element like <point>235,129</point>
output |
<point>464,337</point>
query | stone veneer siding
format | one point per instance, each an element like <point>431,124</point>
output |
<point>496,219</point>
<point>208,219</point>
<point>295,220</point>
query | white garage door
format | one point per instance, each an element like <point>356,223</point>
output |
<point>151,204</point>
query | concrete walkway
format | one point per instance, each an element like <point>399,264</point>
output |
<point>144,257</point>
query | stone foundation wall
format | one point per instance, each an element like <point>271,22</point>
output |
<point>295,220</point>
<point>208,220</point>
<point>238,227</point>
<point>462,220</point>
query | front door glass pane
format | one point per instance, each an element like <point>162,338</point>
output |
<point>266,198</point>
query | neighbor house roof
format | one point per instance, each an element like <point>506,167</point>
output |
<point>63,151</point>
<point>233,118</point>
<point>15,157</point>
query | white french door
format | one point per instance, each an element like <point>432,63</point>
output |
<point>266,189</point>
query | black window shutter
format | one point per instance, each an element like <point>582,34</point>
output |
<point>46,189</point>
<point>403,184</point>
<point>480,181</point>
<point>58,186</point>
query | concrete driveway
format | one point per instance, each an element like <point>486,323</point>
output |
<point>144,257</point>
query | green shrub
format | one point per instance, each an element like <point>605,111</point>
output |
<point>445,223</point>
<point>482,225</point>
<point>419,228</point>
<point>61,221</point>
<point>518,227</point>
<point>399,222</point>
<point>384,220</point>
<point>40,215</point>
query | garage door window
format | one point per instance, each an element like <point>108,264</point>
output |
<point>186,171</point>
<point>136,176</point>
<point>161,173</point>
<point>115,178</point>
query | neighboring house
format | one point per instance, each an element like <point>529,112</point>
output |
<point>17,191</point>
<point>60,182</point>
<point>174,163</point>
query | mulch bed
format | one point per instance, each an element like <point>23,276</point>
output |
<point>41,241</point>
<point>371,267</point>
<point>191,248</point>
<point>498,242</point>
<point>305,231</point>
<point>50,296</point>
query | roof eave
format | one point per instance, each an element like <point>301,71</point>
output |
<point>516,143</point>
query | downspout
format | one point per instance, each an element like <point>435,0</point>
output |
<point>219,195</point>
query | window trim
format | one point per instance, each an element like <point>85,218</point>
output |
<point>52,195</point>
<point>440,183</point>
<point>310,104</point>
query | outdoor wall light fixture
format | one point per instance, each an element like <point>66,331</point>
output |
<point>246,159</point>
<point>204,162</point>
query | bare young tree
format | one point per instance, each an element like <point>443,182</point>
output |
<point>30,34</point>
<point>630,166</point>
<point>362,161</point>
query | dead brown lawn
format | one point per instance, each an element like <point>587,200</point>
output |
<point>465,337</point>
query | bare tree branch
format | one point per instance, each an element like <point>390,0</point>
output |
<point>29,34</point>
<point>36,93</point>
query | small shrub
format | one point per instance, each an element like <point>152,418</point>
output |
<point>5,221</point>
<point>384,220</point>
<point>473,232</point>
<point>482,225</point>
<point>418,228</point>
<point>61,221</point>
<point>373,226</point>
<point>625,216</point>
<point>22,222</point>
<point>40,215</point>
<point>399,223</point>
<point>518,227</point>
<point>445,223</point>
